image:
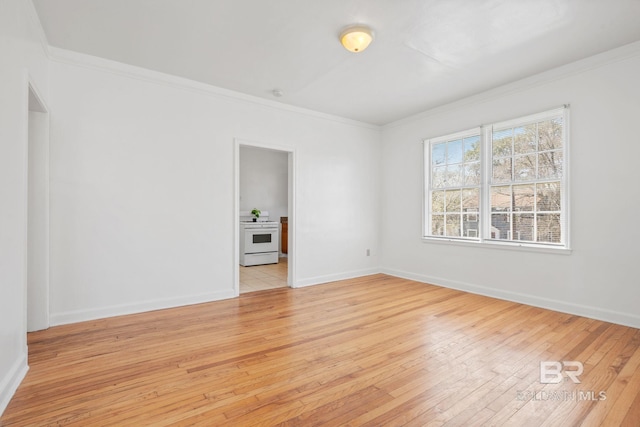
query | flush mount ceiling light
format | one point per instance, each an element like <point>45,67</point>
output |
<point>356,38</point>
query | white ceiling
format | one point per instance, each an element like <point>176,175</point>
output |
<point>425,52</point>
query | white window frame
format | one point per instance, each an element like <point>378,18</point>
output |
<point>485,132</point>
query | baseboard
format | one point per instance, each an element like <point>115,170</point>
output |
<point>626,319</point>
<point>12,380</point>
<point>335,277</point>
<point>119,310</point>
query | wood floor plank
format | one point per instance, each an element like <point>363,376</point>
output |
<point>375,350</point>
<point>620,395</point>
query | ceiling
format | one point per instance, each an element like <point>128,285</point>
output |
<point>425,52</point>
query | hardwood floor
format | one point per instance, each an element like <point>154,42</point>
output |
<point>371,351</point>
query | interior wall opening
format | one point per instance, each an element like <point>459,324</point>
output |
<point>264,200</point>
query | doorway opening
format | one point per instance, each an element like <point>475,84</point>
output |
<point>264,250</point>
<point>37,273</point>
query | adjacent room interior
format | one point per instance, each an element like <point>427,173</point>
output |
<point>263,233</point>
<point>444,195</point>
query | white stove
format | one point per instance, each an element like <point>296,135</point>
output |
<point>258,240</point>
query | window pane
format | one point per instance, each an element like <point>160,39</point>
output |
<point>454,151</point>
<point>550,164</point>
<point>470,228</point>
<point>501,145</point>
<point>437,201</point>
<point>550,134</point>
<point>524,197</point>
<point>549,229</point>
<point>470,216</point>
<point>437,225</point>
<point>472,149</point>
<point>472,173</point>
<point>523,227</point>
<point>501,199</point>
<point>501,171</point>
<point>500,226</point>
<point>524,168</point>
<point>439,177</point>
<point>438,154</point>
<point>524,139</point>
<point>453,201</point>
<point>470,199</point>
<point>470,208</point>
<point>548,196</point>
<point>454,176</point>
<point>453,225</point>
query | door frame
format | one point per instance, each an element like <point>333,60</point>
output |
<point>291,208</point>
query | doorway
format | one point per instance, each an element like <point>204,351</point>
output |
<point>264,180</point>
<point>37,288</point>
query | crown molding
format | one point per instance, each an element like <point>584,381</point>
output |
<point>106,65</point>
<point>622,53</point>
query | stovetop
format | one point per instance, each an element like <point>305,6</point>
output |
<point>259,224</point>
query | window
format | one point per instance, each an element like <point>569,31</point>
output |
<point>504,182</point>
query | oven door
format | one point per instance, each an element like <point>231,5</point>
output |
<point>260,240</point>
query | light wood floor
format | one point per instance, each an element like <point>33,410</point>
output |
<point>372,351</point>
<point>262,277</point>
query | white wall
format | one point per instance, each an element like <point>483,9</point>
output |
<point>142,188</point>
<point>263,181</point>
<point>22,55</point>
<point>599,279</point>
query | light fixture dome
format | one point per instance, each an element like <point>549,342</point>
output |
<point>356,38</point>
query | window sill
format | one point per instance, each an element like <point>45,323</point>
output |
<point>499,245</point>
